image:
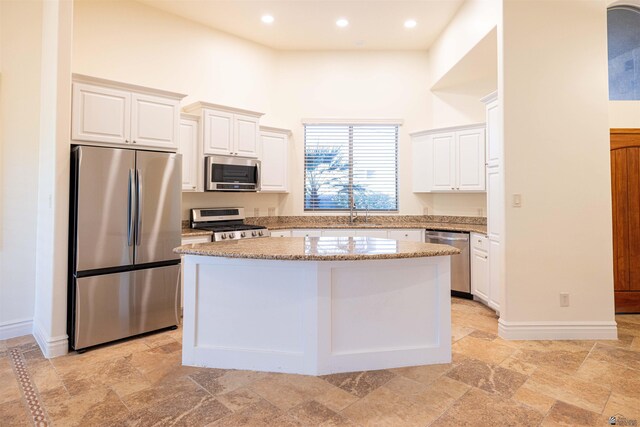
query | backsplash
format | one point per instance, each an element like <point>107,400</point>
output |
<point>386,219</point>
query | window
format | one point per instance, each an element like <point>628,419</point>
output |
<point>350,163</point>
<point>623,34</point>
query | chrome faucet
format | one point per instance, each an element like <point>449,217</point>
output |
<point>353,214</point>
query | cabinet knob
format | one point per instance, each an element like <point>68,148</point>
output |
<point>126,141</point>
<point>485,257</point>
<point>134,141</point>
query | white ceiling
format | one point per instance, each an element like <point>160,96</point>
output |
<point>311,24</point>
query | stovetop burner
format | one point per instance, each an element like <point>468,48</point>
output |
<point>226,224</point>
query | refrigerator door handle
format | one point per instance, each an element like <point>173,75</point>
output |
<point>138,207</point>
<point>130,205</point>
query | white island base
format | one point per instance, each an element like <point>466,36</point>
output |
<point>316,317</point>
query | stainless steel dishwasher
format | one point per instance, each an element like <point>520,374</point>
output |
<point>460,271</point>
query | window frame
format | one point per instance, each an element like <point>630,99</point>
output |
<point>351,124</point>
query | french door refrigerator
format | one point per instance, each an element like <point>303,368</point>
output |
<point>125,220</point>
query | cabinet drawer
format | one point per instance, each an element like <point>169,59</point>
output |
<point>280,233</point>
<point>479,241</point>
<point>408,235</point>
<point>196,239</point>
<point>306,233</point>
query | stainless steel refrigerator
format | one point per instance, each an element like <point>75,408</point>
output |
<point>125,220</point>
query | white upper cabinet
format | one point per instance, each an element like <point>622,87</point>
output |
<point>218,132</point>
<point>101,114</point>
<point>443,162</point>
<point>155,121</point>
<point>449,160</point>
<point>192,160</point>
<point>470,156</point>
<point>274,156</point>
<point>228,131</point>
<point>247,135</point>
<point>115,114</point>
<point>494,147</point>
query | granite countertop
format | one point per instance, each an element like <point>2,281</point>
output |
<point>317,249</point>
<point>429,222</point>
<point>445,226</point>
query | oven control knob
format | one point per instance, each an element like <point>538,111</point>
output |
<point>260,233</point>
<point>223,236</point>
<point>243,234</point>
<point>232,235</point>
<point>254,234</point>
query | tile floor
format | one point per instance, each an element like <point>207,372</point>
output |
<point>140,382</point>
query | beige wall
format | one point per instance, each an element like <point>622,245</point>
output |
<point>20,47</point>
<point>131,42</point>
<point>557,158</point>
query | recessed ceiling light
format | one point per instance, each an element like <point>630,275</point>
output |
<point>342,22</point>
<point>267,19</point>
<point>410,23</point>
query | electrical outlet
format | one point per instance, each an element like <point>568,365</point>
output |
<point>564,299</point>
<point>272,211</point>
<point>256,211</point>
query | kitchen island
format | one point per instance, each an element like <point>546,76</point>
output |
<point>316,305</point>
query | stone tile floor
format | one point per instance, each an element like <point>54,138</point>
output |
<point>140,382</point>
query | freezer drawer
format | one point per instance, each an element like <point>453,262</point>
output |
<point>114,306</point>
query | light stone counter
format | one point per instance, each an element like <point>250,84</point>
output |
<point>318,249</point>
<point>317,305</point>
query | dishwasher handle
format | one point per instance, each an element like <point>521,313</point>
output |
<point>447,239</point>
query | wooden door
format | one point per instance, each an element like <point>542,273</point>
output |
<point>625,192</point>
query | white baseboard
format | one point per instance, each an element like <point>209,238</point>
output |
<point>585,330</point>
<point>16,329</point>
<point>51,346</point>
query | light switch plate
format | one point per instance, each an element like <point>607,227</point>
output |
<point>517,200</point>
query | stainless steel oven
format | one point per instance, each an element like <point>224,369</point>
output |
<point>225,173</point>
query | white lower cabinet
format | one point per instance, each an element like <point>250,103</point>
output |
<point>306,233</point>
<point>187,241</point>
<point>280,233</point>
<point>480,287</point>
<point>381,234</point>
<point>408,235</point>
<point>480,267</point>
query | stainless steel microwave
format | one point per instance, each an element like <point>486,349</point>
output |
<point>226,173</point>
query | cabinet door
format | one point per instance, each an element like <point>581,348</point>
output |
<point>306,233</point>
<point>421,154</point>
<point>339,233</point>
<point>407,235</point>
<point>246,136</point>
<point>218,132</point>
<point>100,114</point>
<point>470,165</point>
<point>480,274</point>
<point>443,162</point>
<point>494,147</point>
<point>495,274</point>
<point>495,203</point>
<point>381,234</point>
<point>155,121</point>
<point>191,159</point>
<point>274,163</point>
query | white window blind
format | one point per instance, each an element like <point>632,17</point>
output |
<point>347,164</point>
